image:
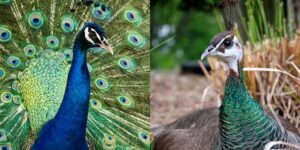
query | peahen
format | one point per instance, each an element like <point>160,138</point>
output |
<point>240,122</point>
<point>59,84</point>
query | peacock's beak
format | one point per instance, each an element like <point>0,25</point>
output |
<point>108,48</point>
<point>105,45</point>
<point>210,50</point>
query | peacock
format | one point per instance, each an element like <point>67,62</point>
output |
<point>74,74</point>
<point>240,122</point>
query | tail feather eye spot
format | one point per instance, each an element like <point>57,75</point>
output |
<point>52,41</point>
<point>6,97</point>
<point>95,104</point>
<point>35,19</point>
<point>102,84</point>
<point>6,147</point>
<point>101,12</point>
<point>133,16</point>
<point>13,61</point>
<point>5,34</point>
<point>2,73</point>
<point>68,54</point>
<point>68,24</point>
<point>17,99</point>
<point>127,64</point>
<point>125,101</point>
<point>136,40</point>
<point>29,50</point>
<point>109,140</point>
<point>15,85</point>
<point>144,137</point>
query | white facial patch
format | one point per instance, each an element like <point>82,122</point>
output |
<point>86,35</point>
<point>98,36</point>
<point>234,55</point>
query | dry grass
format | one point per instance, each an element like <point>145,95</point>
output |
<point>272,76</point>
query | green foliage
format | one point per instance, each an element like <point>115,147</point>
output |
<point>193,28</point>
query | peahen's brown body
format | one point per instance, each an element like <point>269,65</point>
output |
<point>195,131</point>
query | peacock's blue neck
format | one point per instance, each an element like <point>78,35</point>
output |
<point>74,108</point>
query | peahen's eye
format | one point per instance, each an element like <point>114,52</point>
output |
<point>136,40</point>
<point>5,34</point>
<point>2,73</point>
<point>35,20</point>
<point>29,50</point>
<point>102,84</point>
<point>127,64</point>
<point>6,97</point>
<point>227,43</point>
<point>13,61</point>
<point>52,41</point>
<point>68,24</point>
<point>101,12</point>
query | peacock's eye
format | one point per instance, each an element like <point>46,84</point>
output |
<point>227,43</point>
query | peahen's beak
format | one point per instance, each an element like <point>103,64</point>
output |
<point>210,50</point>
<point>105,45</point>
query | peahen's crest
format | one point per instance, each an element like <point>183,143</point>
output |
<point>36,40</point>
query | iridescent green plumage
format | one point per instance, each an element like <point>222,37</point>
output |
<point>243,122</point>
<point>36,40</point>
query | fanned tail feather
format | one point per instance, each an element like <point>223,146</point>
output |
<point>36,40</point>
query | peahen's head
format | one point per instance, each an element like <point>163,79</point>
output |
<point>92,35</point>
<point>226,47</point>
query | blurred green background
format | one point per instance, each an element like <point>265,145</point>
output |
<point>184,28</point>
<point>192,22</point>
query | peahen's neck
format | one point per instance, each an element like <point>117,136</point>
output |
<point>243,123</point>
<point>72,115</point>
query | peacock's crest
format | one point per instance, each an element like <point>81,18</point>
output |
<point>36,40</point>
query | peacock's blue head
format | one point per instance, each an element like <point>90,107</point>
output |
<point>93,35</point>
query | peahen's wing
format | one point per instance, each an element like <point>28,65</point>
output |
<point>36,40</point>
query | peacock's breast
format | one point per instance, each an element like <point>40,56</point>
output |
<point>42,85</point>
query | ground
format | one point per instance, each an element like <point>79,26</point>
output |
<point>174,95</point>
